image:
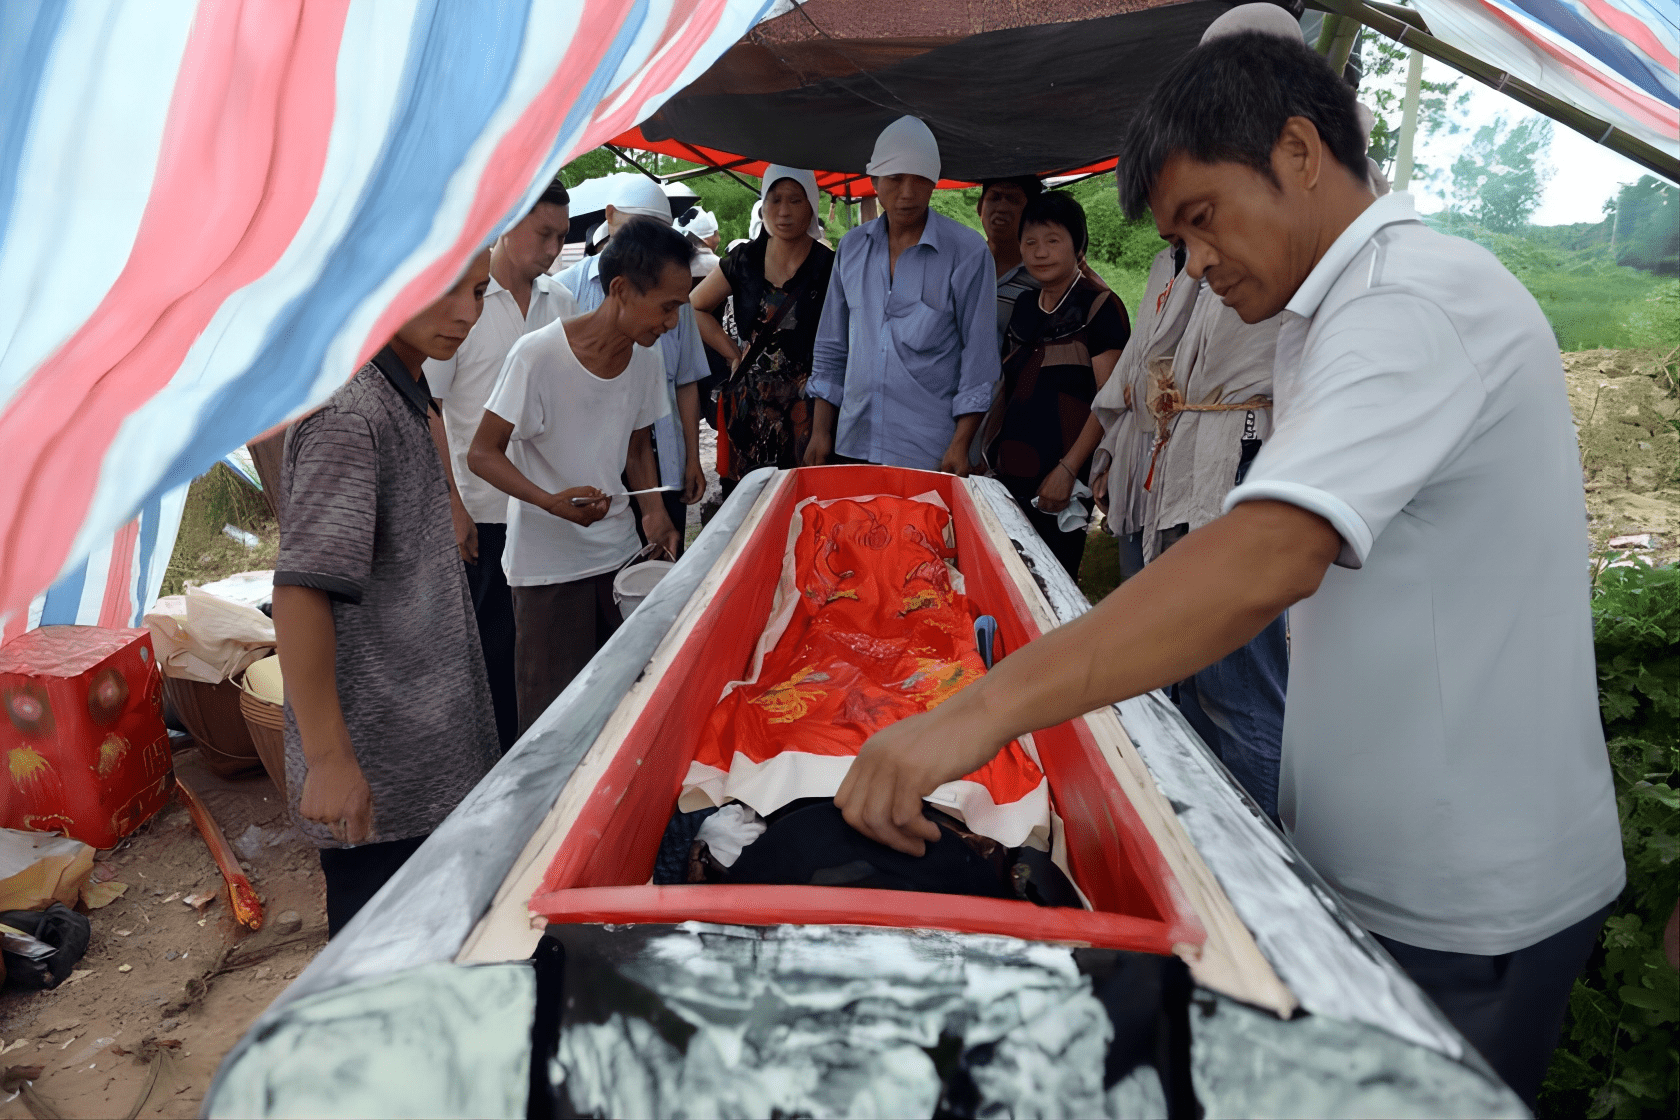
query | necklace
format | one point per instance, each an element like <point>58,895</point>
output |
<point>1052,310</point>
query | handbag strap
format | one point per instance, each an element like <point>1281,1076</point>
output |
<point>761,337</point>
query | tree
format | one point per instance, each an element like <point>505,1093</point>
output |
<point>1383,89</point>
<point>1646,219</point>
<point>590,165</point>
<point>1497,179</point>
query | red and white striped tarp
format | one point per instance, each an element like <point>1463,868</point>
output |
<point>212,213</point>
<point>1615,59</point>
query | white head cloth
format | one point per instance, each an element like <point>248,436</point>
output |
<point>1269,19</point>
<point>906,147</point>
<point>755,224</point>
<point>636,194</point>
<point>807,181</point>
<point>702,225</point>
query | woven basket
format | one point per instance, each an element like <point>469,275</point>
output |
<point>211,713</point>
<point>267,723</point>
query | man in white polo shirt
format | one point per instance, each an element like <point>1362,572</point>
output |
<point>1443,762</point>
<point>522,297</point>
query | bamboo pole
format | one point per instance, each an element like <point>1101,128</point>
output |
<point>1408,122</point>
<point>1594,128</point>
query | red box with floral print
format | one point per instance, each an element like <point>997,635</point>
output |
<point>85,749</point>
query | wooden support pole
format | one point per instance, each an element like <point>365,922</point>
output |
<point>1408,122</point>
<point>1406,33</point>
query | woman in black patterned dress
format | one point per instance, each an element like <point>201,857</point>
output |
<point>778,281</point>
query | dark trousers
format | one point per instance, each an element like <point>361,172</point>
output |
<point>354,876</point>
<point>560,627</point>
<point>493,605</point>
<point>1235,704</point>
<point>1511,1006</point>
<point>1067,547</point>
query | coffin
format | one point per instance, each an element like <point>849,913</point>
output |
<point>550,858</point>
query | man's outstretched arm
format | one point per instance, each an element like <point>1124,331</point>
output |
<point>1206,596</point>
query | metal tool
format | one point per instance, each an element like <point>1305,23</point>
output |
<point>627,494</point>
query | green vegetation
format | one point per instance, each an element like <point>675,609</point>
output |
<point>1619,1054</point>
<point>1591,301</point>
<point>1441,106</point>
<point>203,552</point>
<point>1499,177</point>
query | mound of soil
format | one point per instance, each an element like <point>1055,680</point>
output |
<point>1626,406</point>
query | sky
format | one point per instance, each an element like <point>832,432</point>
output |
<point>1583,174</point>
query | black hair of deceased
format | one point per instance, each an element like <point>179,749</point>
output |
<point>641,250</point>
<point>1227,102</point>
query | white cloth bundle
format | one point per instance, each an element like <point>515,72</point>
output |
<point>203,637</point>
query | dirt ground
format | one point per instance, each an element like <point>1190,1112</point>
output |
<point>1625,407</point>
<point>194,979</point>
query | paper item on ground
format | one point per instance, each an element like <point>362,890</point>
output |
<point>37,869</point>
<point>1073,516</point>
<point>96,895</point>
<point>627,494</point>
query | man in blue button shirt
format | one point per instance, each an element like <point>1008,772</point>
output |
<point>906,355</point>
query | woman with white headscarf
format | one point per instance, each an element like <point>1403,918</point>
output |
<point>778,280</point>
<point>701,229</point>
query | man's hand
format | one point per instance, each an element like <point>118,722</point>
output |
<point>1099,489</point>
<point>819,449</point>
<point>955,459</point>
<point>466,533</point>
<point>335,793</point>
<point>694,479</point>
<point>1055,490</point>
<point>656,524</point>
<point>584,513</point>
<point>882,794</point>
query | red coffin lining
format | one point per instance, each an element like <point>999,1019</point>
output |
<point>601,871</point>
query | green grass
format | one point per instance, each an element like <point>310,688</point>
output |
<point>1590,301</point>
<point>203,552</point>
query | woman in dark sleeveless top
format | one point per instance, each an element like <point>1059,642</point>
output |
<point>1060,348</point>
<point>778,281</point>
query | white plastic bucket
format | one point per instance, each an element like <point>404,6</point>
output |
<point>636,582</point>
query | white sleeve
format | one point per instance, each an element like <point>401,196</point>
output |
<point>515,397</point>
<point>1384,397</point>
<point>655,401</point>
<point>440,375</point>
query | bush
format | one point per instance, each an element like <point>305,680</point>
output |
<point>1591,301</point>
<point>1618,1057</point>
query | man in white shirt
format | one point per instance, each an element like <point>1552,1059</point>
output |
<point>521,298</point>
<point>572,412</point>
<point>1444,765</point>
<point>676,438</point>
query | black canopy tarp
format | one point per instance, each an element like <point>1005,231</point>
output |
<point>1008,87</point>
